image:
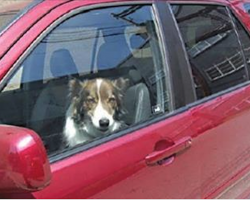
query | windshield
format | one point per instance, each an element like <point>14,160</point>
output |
<point>11,10</point>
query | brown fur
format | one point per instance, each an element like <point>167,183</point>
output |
<point>84,95</point>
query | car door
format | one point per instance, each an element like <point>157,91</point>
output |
<point>214,51</point>
<point>182,149</point>
<point>88,169</point>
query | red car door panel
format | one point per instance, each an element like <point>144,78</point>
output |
<point>95,170</point>
<point>198,172</point>
<point>211,162</point>
<point>225,144</point>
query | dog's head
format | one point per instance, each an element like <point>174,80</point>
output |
<point>98,101</point>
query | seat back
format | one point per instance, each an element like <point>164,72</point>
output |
<point>113,51</point>
<point>48,113</point>
<point>137,100</point>
<point>62,64</point>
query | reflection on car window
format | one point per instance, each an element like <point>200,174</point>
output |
<point>244,39</point>
<point>212,46</point>
<point>247,7</point>
<point>95,74</point>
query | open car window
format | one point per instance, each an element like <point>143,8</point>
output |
<point>95,74</point>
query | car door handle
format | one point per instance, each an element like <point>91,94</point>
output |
<point>166,156</point>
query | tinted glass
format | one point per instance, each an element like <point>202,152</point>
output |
<point>213,48</point>
<point>247,7</point>
<point>95,74</point>
<point>244,39</point>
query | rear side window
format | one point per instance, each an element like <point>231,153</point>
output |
<point>212,46</point>
<point>244,39</point>
<point>10,10</point>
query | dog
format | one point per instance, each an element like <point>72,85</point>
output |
<point>95,109</point>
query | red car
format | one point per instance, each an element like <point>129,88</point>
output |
<point>177,125</point>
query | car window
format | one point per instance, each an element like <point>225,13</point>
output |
<point>95,74</point>
<point>244,39</point>
<point>10,10</point>
<point>247,7</point>
<point>212,46</point>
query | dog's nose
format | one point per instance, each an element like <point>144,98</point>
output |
<point>104,123</point>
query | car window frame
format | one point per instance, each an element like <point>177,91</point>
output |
<point>165,51</point>
<point>180,69</point>
<point>191,101</point>
<point>167,48</point>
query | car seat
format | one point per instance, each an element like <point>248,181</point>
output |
<point>137,100</point>
<point>48,114</point>
<point>113,51</point>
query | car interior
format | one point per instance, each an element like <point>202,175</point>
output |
<point>41,104</point>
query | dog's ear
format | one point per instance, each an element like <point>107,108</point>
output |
<point>121,83</point>
<point>75,87</point>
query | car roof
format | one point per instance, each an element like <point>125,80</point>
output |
<point>202,1</point>
<point>49,4</point>
<point>184,1</point>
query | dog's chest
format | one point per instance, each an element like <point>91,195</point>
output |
<point>74,133</point>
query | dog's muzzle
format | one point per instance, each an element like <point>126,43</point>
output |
<point>104,123</point>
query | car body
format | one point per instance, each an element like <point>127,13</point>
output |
<point>197,148</point>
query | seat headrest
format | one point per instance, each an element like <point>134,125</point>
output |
<point>137,104</point>
<point>135,76</point>
<point>62,63</point>
<point>136,41</point>
<point>114,51</point>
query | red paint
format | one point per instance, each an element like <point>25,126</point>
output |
<point>219,130</point>
<point>22,25</point>
<point>24,164</point>
<point>129,153</point>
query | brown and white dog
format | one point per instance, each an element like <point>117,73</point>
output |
<point>94,110</point>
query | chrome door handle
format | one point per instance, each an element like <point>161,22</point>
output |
<point>157,157</point>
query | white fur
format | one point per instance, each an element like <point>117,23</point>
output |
<point>72,133</point>
<point>99,112</point>
<point>76,134</point>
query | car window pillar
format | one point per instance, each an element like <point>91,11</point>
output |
<point>182,89</point>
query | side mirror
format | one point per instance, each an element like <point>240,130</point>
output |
<point>24,165</point>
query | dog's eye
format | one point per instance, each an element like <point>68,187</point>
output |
<point>90,100</point>
<point>111,100</point>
